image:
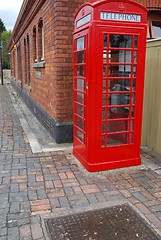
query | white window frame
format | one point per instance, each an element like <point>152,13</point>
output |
<point>42,35</point>
<point>36,42</point>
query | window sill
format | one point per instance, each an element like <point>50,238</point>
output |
<point>39,64</point>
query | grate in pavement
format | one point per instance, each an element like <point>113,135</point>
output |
<point>115,223</point>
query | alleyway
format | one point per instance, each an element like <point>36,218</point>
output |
<point>34,186</point>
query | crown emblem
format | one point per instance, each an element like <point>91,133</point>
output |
<point>83,12</point>
<point>121,6</point>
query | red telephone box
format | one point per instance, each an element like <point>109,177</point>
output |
<point>109,59</point>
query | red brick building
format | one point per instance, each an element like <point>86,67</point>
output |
<point>41,53</point>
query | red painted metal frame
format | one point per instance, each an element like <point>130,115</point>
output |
<point>90,152</point>
<point>80,146</point>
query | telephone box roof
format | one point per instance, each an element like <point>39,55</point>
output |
<point>96,3</point>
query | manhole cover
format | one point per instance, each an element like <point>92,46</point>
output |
<point>116,223</point>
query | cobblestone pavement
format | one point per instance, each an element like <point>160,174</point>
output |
<point>34,186</point>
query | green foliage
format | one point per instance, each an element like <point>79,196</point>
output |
<point>5,36</point>
<point>2,27</point>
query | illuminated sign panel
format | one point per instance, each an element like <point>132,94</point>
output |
<point>120,17</point>
<point>84,20</point>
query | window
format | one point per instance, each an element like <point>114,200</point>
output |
<point>40,41</point>
<point>156,27</point>
<point>25,62</point>
<point>153,28</point>
<point>28,60</point>
<point>34,45</point>
<point>19,62</point>
<point>118,89</point>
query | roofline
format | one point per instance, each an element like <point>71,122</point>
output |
<point>96,3</point>
<point>21,12</point>
<point>26,5</point>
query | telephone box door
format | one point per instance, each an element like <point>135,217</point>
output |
<point>80,93</point>
<point>121,89</point>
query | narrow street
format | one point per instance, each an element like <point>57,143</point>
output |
<point>44,184</point>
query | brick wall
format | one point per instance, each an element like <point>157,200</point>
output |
<point>53,92</point>
<point>63,60</point>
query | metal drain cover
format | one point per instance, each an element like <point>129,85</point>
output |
<point>115,223</point>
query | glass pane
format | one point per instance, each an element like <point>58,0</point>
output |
<point>118,99</point>
<point>119,85</point>
<point>134,71</point>
<point>118,126</point>
<point>134,85</point>
<point>156,25</point>
<point>109,56</point>
<point>117,139</point>
<point>105,40</point>
<point>120,41</point>
<point>104,56</point>
<point>80,57</point>
<point>80,97</point>
<point>80,135</point>
<point>80,84</point>
<point>103,113</point>
<point>80,71</point>
<point>131,138</point>
<point>80,110</point>
<point>132,111</point>
<point>119,71</point>
<point>114,113</point>
<point>80,123</point>
<point>103,127</point>
<point>132,125</point>
<point>104,85</point>
<point>104,100</point>
<point>120,56</point>
<point>103,141</point>
<point>80,43</point>
<point>136,42</point>
<point>135,56</point>
<point>133,98</point>
<point>104,70</point>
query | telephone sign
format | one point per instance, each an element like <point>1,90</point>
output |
<point>83,20</point>
<point>120,17</point>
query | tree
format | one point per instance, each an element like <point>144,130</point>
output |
<point>5,36</point>
<point>2,27</point>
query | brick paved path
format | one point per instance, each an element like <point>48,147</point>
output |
<point>33,186</point>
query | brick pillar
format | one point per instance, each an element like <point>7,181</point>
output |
<point>63,61</point>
